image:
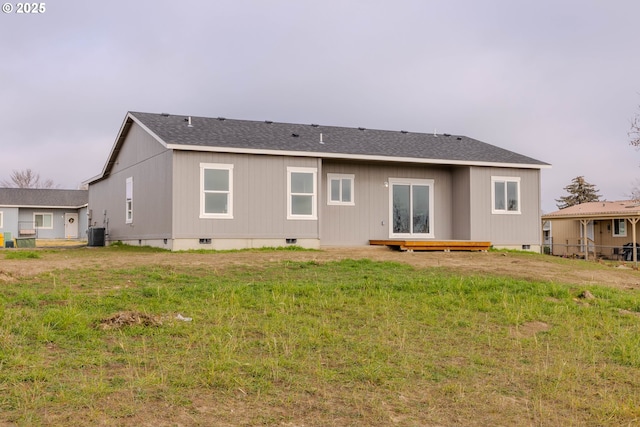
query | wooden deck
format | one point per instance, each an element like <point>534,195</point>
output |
<point>433,245</point>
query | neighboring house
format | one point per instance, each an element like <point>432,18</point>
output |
<point>182,182</point>
<point>43,213</point>
<point>607,226</point>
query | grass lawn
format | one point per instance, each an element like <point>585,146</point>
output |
<point>313,343</point>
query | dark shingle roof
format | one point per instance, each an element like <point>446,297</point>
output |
<point>23,197</point>
<point>350,142</point>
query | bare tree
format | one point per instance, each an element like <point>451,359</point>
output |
<point>634,139</point>
<point>635,191</point>
<point>26,179</point>
<point>634,132</point>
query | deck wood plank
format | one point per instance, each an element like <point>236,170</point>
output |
<point>433,245</point>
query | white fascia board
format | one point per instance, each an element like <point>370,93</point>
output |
<point>352,156</point>
<point>609,215</point>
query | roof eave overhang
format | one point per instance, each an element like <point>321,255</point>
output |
<point>44,206</point>
<point>326,155</point>
<point>610,215</point>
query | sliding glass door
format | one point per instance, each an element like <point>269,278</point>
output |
<point>411,207</point>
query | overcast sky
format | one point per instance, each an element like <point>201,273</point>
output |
<point>555,80</point>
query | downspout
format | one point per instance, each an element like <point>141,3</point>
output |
<point>541,233</point>
<point>319,190</point>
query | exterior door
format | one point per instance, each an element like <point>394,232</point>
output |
<point>411,208</point>
<point>71,225</point>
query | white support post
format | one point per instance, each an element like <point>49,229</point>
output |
<point>585,240</point>
<point>633,228</point>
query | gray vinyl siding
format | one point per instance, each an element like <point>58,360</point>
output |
<point>26,217</point>
<point>505,229</point>
<point>462,204</point>
<point>150,165</point>
<point>138,147</point>
<point>369,218</point>
<point>12,217</point>
<point>461,207</point>
<point>344,225</point>
<point>9,220</point>
<point>259,197</point>
<point>83,223</point>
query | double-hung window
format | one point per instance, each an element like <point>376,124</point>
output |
<point>505,195</point>
<point>340,189</point>
<point>128,215</point>
<point>619,228</point>
<point>216,190</point>
<point>43,220</point>
<point>302,193</point>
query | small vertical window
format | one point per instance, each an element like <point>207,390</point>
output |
<point>619,228</point>
<point>216,195</point>
<point>129,201</point>
<point>340,191</point>
<point>1,220</point>
<point>505,193</point>
<point>302,193</point>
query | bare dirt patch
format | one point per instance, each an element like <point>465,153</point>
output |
<point>515,265</point>
<point>128,318</point>
<point>6,277</point>
<point>529,329</point>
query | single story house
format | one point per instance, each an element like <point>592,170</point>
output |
<point>604,227</point>
<point>182,182</point>
<point>43,213</point>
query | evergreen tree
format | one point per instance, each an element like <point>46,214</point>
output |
<point>580,191</point>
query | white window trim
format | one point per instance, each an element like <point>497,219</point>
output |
<point>410,181</point>
<point>128,203</point>
<point>1,219</point>
<point>333,176</point>
<point>229,213</point>
<point>504,179</point>
<point>43,214</point>
<point>314,195</point>
<point>613,227</point>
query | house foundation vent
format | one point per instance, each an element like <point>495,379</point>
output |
<point>204,241</point>
<point>291,241</point>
